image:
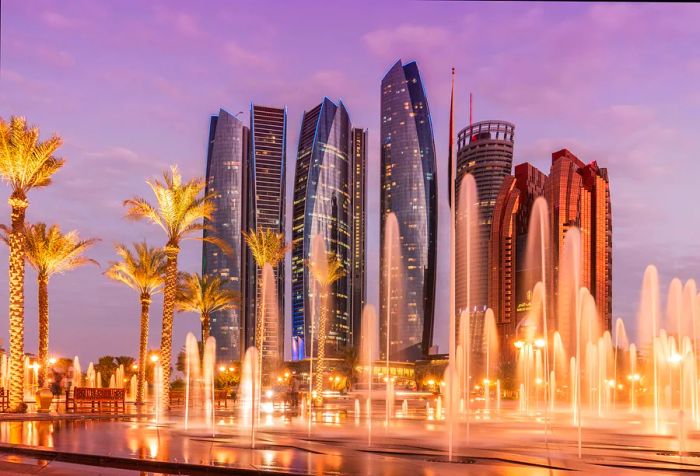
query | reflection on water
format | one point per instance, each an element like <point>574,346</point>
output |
<point>284,445</point>
<point>30,433</point>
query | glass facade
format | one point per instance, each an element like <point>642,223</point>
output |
<point>226,159</point>
<point>579,196</point>
<point>323,188</point>
<point>409,190</point>
<point>265,208</point>
<point>484,150</point>
<point>359,224</point>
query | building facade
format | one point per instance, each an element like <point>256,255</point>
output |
<point>577,196</point>
<point>359,227</point>
<point>323,205</point>
<point>409,190</point>
<point>484,150</point>
<point>264,189</point>
<point>509,274</point>
<point>227,155</point>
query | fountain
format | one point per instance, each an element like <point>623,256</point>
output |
<point>393,275</point>
<point>250,393</point>
<point>199,384</point>
<point>367,356</point>
<point>90,376</point>
<point>77,375</point>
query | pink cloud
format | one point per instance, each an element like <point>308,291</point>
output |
<point>388,43</point>
<point>240,56</point>
<point>58,20</point>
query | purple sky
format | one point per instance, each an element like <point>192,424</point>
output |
<point>130,86</point>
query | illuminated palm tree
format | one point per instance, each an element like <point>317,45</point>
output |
<point>204,295</point>
<point>25,163</point>
<point>180,210</point>
<point>325,275</point>
<point>267,247</point>
<point>51,252</point>
<point>142,271</point>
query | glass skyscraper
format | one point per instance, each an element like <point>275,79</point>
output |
<point>265,208</point>
<point>359,223</point>
<point>226,158</point>
<point>484,150</point>
<point>409,190</point>
<point>323,188</point>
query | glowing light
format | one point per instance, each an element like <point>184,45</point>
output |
<point>222,369</point>
<point>675,358</point>
<point>519,344</point>
<point>154,358</point>
<point>269,393</point>
<point>487,381</point>
<point>538,381</point>
<point>431,382</point>
<point>52,360</point>
<point>540,343</point>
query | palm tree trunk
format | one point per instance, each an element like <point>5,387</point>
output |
<point>43,284</point>
<point>322,329</point>
<point>143,345</point>
<point>260,329</point>
<point>166,340</point>
<point>206,326</point>
<point>16,284</point>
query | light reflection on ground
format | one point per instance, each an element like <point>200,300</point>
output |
<point>494,443</point>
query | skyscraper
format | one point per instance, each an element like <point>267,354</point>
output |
<point>579,196</point>
<point>323,191</point>
<point>509,288</point>
<point>226,158</point>
<point>484,150</point>
<point>265,209</point>
<point>359,224</point>
<point>409,190</point>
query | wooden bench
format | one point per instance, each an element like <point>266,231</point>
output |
<point>4,400</point>
<point>177,398</point>
<point>109,399</point>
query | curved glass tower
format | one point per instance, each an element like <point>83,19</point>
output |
<point>322,205</point>
<point>409,190</point>
<point>226,158</point>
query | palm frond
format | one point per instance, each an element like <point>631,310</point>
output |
<point>25,162</point>
<point>143,270</point>
<point>204,294</point>
<point>49,251</point>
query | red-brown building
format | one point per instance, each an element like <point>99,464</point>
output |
<point>578,195</point>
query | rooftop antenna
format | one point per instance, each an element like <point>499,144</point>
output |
<point>452,138</point>
<point>471,102</point>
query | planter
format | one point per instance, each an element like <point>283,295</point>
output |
<point>44,397</point>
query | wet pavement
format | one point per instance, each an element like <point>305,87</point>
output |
<point>338,444</point>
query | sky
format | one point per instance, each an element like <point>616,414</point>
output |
<point>130,86</point>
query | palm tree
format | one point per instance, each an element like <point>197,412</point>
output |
<point>143,271</point>
<point>325,275</point>
<point>180,211</point>
<point>267,247</point>
<point>204,295</point>
<point>25,163</point>
<point>51,252</point>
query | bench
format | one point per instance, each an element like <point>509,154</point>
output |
<point>111,399</point>
<point>177,398</point>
